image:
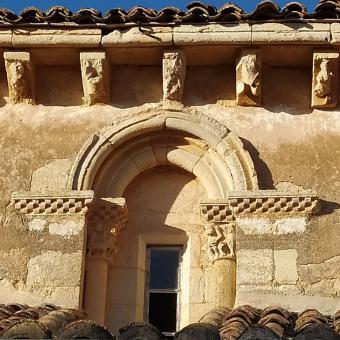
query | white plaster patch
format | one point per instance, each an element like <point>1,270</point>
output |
<point>290,225</point>
<point>261,226</point>
<point>37,225</point>
<point>285,266</point>
<point>67,229</point>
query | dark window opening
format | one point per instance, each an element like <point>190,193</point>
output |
<point>162,288</point>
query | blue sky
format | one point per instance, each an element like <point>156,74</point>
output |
<point>104,5</point>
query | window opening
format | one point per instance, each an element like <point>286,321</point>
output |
<point>162,288</point>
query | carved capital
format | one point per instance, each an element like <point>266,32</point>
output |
<point>325,79</point>
<point>20,77</point>
<point>248,78</point>
<point>221,240</point>
<point>174,70</point>
<point>95,73</point>
<point>68,203</point>
<point>105,222</point>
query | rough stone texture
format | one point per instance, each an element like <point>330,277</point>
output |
<point>288,141</point>
<point>20,76</point>
<point>325,80</point>
<point>95,71</point>
<point>248,78</point>
<point>285,266</point>
<point>174,69</point>
<point>255,267</point>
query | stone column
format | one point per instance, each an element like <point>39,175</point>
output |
<point>220,229</point>
<point>20,77</point>
<point>105,221</point>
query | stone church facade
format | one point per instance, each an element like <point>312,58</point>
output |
<point>215,133</point>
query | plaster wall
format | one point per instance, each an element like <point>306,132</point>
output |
<point>287,140</point>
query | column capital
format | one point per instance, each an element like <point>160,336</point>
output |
<point>105,221</point>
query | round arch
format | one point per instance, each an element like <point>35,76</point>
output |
<point>114,156</point>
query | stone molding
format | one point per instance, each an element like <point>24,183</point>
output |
<point>20,77</point>
<point>325,79</point>
<point>219,216</point>
<point>174,70</point>
<point>95,73</point>
<point>68,203</point>
<point>105,221</point>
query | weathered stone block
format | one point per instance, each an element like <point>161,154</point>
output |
<point>285,262</point>
<point>174,69</point>
<point>325,79</point>
<point>248,78</point>
<point>95,72</point>
<point>255,267</point>
<point>20,77</point>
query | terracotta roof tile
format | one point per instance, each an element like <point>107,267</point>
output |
<point>196,12</point>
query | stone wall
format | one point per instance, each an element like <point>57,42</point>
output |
<point>290,260</point>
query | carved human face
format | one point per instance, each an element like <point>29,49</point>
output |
<point>209,229</point>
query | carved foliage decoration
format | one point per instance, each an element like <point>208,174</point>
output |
<point>248,78</point>
<point>174,70</point>
<point>95,77</point>
<point>20,77</point>
<point>325,79</point>
<point>105,222</point>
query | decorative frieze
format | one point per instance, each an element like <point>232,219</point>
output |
<point>325,79</point>
<point>95,72</point>
<point>220,216</point>
<point>248,78</point>
<point>105,222</point>
<point>272,202</point>
<point>20,77</point>
<point>68,203</point>
<point>174,70</point>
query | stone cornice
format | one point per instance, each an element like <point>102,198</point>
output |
<point>321,34</point>
<point>259,202</point>
<point>66,203</point>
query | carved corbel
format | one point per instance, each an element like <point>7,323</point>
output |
<point>105,221</point>
<point>95,73</point>
<point>174,70</point>
<point>220,229</point>
<point>20,77</point>
<point>325,79</point>
<point>248,78</point>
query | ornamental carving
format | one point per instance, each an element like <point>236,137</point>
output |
<point>69,203</point>
<point>248,78</point>
<point>94,70</point>
<point>20,75</point>
<point>105,222</point>
<point>174,70</point>
<point>221,240</point>
<point>325,83</point>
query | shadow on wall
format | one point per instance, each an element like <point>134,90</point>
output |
<point>264,175</point>
<point>287,89</point>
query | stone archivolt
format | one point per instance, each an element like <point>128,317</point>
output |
<point>69,203</point>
